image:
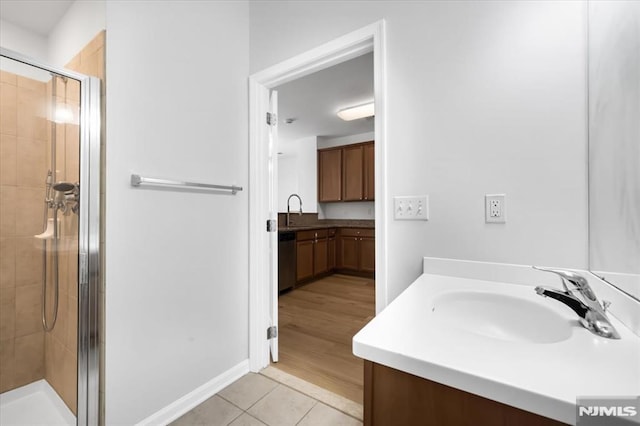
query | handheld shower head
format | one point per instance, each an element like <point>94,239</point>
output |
<point>63,186</point>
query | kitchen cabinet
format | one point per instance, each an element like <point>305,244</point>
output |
<point>369,171</point>
<point>347,173</point>
<point>331,250</point>
<point>356,250</point>
<point>304,260</point>
<point>312,254</point>
<point>330,175</point>
<point>352,173</point>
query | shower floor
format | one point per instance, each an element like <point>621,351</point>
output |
<point>34,404</point>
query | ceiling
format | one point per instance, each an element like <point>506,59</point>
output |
<point>313,101</point>
<point>38,16</point>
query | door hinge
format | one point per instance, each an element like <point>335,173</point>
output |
<point>271,225</point>
<point>272,332</point>
<point>272,119</point>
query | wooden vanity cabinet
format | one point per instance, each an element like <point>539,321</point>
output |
<point>347,173</point>
<point>356,250</point>
<point>393,397</point>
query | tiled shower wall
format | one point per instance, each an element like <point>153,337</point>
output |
<point>28,353</point>
<point>23,167</point>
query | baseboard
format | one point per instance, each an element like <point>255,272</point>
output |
<point>185,404</point>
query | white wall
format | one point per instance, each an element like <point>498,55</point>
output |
<point>78,26</point>
<point>27,43</point>
<point>324,142</point>
<point>23,41</point>
<point>176,262</point>
<point>483,97</point>
<point>297,174</point>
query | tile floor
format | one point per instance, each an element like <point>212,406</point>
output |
<point>256,399</point>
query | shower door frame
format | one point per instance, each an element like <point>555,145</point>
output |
<point>88,240</point>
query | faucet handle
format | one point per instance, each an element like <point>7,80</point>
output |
<point>575,279</point>
<point>605,305</point>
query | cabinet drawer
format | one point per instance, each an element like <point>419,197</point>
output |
<point>312,234</point>
<point>357,232</point>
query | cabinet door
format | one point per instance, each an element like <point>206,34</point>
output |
<point>369,172</point>
<point>352,185</point>
<point>304,261</point>
<point>320,257</point>
<point>331,254</point>
<point>330,175</point>
<point>348,252</point>
<point>367,252</point>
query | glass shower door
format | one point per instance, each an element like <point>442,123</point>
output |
<point>40,229</point>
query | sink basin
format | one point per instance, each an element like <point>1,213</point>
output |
<point>499,316</point>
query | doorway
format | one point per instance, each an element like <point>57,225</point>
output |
<point>263,245</point>
<point>326,204</point>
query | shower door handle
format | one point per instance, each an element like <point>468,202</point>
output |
<point>83,269</point>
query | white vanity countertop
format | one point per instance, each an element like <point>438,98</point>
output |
<point>543,378</point>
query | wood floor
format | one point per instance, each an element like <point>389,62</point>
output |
<point>316,325</point>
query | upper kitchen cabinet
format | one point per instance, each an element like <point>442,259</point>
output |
<point>346,173</point>
<point>369,171</point>
<point>330,175</point>
<point>352,173</point>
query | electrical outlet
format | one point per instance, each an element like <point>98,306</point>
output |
<point>411,207</point>
<point>495,208</point>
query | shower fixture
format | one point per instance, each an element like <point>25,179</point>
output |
<point>62,197</point>
<point>67,196</point>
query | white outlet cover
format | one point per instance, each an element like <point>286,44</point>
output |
<point>495,208</point>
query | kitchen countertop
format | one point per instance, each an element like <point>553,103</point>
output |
<point>310,227</point>
<point>543,378</point>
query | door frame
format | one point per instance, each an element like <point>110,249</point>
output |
<point>368,39</point>
<point>88,353</point>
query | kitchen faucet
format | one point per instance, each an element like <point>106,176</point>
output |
<point>289,210</point>
<point>593,316</point>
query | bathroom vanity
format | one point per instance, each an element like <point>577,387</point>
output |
<point>472,343</point>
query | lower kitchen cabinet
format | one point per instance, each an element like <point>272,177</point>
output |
<point>324,251</point>
<point>304,260</point>
<point>312,251</point>
<point>331,250</point>
<point>356,251</point>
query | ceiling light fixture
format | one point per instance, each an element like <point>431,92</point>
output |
<point>360,111</point>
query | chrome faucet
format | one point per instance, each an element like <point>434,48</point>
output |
<point>289,209</point>
<point>593,316</point>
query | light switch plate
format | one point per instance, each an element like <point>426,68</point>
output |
<point>495,209</point>
<point>411,207</point>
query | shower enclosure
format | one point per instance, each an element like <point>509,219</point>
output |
<point>49,230</point>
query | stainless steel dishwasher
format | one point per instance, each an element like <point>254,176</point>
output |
<point>286,260</point>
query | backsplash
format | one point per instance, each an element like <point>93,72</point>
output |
<point>311,219</point>
<point>350,210</point>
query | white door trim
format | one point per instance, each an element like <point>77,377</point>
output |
<point>359,42</point>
